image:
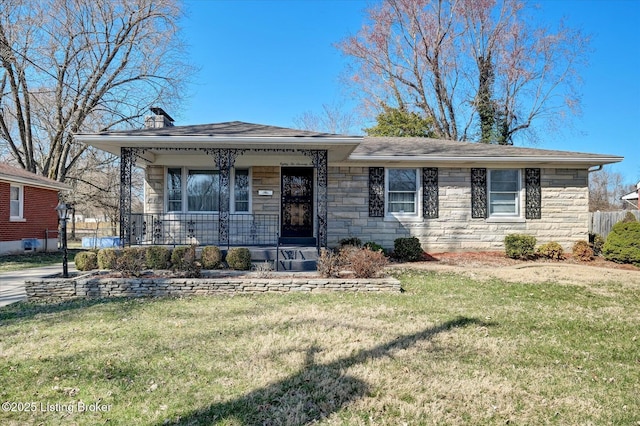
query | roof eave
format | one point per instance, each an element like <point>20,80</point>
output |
<point>24,181</point>
<point>489,159</point>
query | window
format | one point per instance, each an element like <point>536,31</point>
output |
<point>197,190</point>
<point>241,190</point>
<point>402,191</point>
<point>16,202</point>
<point>504,192</point>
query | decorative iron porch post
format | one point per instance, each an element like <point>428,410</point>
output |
<point>127,158</point>
<point>224,160</point>
<point>319,161</point>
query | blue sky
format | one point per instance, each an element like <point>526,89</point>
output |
<point>268,61</point>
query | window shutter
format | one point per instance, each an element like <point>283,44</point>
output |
<point>533,194</point>
<point>376,191</point>
<point>478,193</point>
<point>430,193</point>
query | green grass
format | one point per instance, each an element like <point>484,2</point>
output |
<point>449,350</point>
<point>17,262</point>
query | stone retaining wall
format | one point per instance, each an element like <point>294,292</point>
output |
<point>95,287</point>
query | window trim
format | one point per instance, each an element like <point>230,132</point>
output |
<point>20,202</point>
<point>417,201</point>
<point>518,196</point>
<point>184,202</point>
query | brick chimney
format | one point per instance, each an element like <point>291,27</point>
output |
<point>159,119</point>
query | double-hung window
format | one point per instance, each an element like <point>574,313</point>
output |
<point>16,202</point>
<point>504,192</point>
<point>402,191</point>
<point>198,190</point>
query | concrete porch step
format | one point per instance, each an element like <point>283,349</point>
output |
<point>289,258</point>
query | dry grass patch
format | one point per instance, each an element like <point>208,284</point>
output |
<point>448,351</point>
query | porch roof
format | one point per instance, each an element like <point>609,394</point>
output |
<point>234,134</point>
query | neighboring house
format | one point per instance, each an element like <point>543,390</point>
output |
<point>28,219</point>
<point>633,198</point>
<point>248,184</point>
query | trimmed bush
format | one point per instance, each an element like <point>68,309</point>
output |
<point>407,249</point>
<point>211,257</point>
<point>329,264</point>
<point>520,246</point>
<point>598,243</point>
<point>183,259</point>
<point>551,250</point>
<point>351,241</point>
<point>623,243</point>
<point>86,261</point>
<point>373,246</point>
<point>582,251</point>
<point>157,257</point>
<point>107,258</point>
<point>131,261</point>
<point>239,258</point>
<point>366,263</point>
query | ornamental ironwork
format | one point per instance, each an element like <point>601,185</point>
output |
<point>319,161</point>
<point>430,193</point>
<point>478,193</point>
<point>533,194</point>
<point>127,161</point>
<point>376,191</point>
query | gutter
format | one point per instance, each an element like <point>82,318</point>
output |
<point>487,159</point>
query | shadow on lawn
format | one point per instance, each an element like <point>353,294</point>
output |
<point>27,310</point>
<point>313,393</point>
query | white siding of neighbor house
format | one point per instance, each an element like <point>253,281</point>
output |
<point>564,213</point>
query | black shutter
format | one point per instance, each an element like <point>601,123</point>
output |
<point>430,193</point>
<point>533,194</point>
<point>478,193</point>
<point>376,191</point>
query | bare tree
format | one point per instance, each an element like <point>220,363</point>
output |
<point>69,66</point>
<point>606,189</point>
<point>480,69</point>
<point>333,119</point>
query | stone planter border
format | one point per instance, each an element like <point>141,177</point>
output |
<point>94,286</point>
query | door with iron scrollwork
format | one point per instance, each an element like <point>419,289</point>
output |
<point>297,202</point>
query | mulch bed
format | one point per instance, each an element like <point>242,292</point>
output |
<point>498,258</point>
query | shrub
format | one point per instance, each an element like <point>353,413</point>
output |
<point>239,258</point>
<point>597,243</point>
<point>407,249</point>
<point>582,251</point>
<point>131,261</point>
<point>329,264</point>
<point>107,258</point>
<point>520,246</point>
<point>366,263</point>
<point>86,261</point>
<point>351,241</point>
<point>211,257</point>
<point>373,246</point>
<point>183,259</point>
<point>623,243</point>
<point>264,269</point>
<point>551,250</point>
<point>157,257</point>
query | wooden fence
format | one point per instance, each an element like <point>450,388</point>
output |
<point>601,222</point>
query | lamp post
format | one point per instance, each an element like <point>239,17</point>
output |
<point>62,211</point>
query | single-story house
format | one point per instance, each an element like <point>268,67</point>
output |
<point>28,219</point>
<point>243,184</point>
<point>633,198</point>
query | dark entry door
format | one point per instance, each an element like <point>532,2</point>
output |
<point>297,202</point>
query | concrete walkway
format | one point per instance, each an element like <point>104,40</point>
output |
<point>12,283</point>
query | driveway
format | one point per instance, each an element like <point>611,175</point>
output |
<point>12,283</point>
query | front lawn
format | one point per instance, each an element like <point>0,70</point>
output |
<point>18,262</point>
<point>449,350</point>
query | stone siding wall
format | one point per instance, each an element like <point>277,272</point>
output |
<point>154,189</point>
<point>93,287</point>
<point>565,200</point>
<point>267,178</point>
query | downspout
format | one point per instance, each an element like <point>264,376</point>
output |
<point>597,169</point>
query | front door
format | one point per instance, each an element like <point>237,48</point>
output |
<point>297,202</point>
